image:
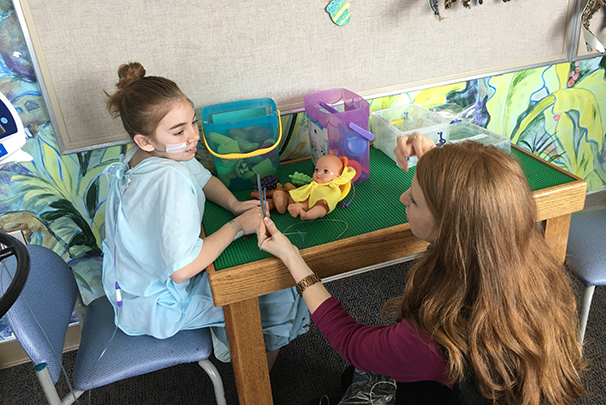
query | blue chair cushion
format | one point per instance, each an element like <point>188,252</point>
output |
<point>126,356</point>
<point>586,252</point>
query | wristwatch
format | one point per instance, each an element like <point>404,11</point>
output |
<point>238,228</point>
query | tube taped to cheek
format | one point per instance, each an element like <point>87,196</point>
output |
<point>176,147</point>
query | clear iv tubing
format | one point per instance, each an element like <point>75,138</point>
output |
<point>391,382</point>
<point>119,301</point>
<point>71,389</point>
<point>302,234</point>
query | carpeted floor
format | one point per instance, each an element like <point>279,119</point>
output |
<point>305,369</point>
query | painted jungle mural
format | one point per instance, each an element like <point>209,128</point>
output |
<point>557,112</point>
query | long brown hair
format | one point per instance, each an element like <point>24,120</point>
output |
<point>141,101</point>
<point>488,291</point>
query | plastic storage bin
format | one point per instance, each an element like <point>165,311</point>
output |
<point>389,124</point>
<point>337,121</point>
<point>242,137</point>
<point>463,131</point>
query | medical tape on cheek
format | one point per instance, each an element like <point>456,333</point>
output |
<point>176,147</point>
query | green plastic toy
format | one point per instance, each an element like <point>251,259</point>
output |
<point>300,179</point>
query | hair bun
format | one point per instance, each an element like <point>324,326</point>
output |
<point>130,73</point>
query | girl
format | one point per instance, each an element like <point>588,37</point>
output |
<point>487,314</point>
<point>154,259</point>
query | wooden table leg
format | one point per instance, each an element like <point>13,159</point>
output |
<point>245,335</point>
<point>556,235</point>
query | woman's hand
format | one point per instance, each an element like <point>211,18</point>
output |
<point>271,240</point>
<point>412,145</point>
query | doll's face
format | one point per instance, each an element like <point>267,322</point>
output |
<point>328,167</point>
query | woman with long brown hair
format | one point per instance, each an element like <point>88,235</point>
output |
<point>487,314</point>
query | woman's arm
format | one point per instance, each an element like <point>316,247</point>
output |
<point>397,350</point>
<point>271,240</point>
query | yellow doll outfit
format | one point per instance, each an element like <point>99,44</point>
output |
<point>332,192</point>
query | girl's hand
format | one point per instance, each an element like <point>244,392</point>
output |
<point>271,240</point>
<point>249,220</point>
<point>411,145</point>
<point>238,207</point>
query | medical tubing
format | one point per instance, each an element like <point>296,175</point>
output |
<point>391,382</point>
<point>119,301</point>
<point>69,385</point>
<point>297,232</point>
<point>102,354</point>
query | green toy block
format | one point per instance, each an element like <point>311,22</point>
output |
<point>237,133</point>
<point>224,166</point>
<point>254,160</point>
<point>248,175</point>
<point>229,147</point>
<point>242,167</point>
<point>246,146</point>
<point>264,168</point>
<point>219,138</point>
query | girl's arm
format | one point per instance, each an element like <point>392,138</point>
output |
<point>216,192</point>
<point>215,243</point>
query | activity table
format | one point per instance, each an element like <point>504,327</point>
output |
<point>370,231</point>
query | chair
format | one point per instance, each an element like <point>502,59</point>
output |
<point>10,246</point>
<point>586,255</point>
<point>40,316</point>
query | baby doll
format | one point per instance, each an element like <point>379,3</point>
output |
<point>332,182</point>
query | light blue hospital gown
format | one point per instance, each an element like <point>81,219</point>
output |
<point>152,229</point>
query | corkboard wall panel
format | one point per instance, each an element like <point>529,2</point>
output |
<point>220,51</point>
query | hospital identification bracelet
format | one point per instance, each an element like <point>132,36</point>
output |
<point>238,228</point>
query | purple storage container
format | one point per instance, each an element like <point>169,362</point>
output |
<point>337,121</point>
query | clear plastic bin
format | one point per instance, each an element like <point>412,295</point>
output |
<point>387,125</point>
<point>466,131</point>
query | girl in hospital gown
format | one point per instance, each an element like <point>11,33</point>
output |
<point>154,212</point>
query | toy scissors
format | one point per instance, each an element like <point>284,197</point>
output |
<point>262,195</point>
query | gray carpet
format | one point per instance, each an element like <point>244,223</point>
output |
<point>305,369</point>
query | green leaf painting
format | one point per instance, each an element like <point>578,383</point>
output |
<point>556,112</point>
<point>68,196</point>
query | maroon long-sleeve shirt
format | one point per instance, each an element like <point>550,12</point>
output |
<point>397,351</point>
